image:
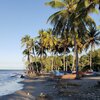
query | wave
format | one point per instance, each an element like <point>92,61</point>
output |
<point>8,84</point>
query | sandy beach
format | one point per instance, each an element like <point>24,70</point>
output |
<point>46,88</point>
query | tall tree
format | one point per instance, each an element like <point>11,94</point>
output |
<point>25,42</point>
<point>50,43</point>
<point>71,19</point>
<point>93,38</point>
<point>28,43</point>
<point>63,47</point>
<point>40,47</point>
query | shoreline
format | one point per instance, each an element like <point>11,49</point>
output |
<point>32,88</point>
<point>10,85</point>
<point>19,83</point>
<point>28,87</point>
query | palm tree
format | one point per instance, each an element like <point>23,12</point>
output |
<point>63,47</point>
<point>93,38</point>
<point>51,42</point>
<point>80,47</point>
<point>25,42</point>
<point>70,19</point>
<point>28,42</point>
<point>40,46</point>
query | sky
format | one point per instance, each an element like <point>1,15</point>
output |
<point>18,18</point>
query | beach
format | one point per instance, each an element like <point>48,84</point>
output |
<point>46,88</point>
<point>32,89</point>
<point>50,50</point>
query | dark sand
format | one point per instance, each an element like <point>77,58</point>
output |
<point>54,89</point>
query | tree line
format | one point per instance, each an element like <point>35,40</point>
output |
<point>73,30</point>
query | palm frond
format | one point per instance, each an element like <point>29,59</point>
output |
<point>56,4</point>
<point>97,34</point>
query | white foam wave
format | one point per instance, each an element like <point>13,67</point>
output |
<point>8,84</point>
<point>11,86</point>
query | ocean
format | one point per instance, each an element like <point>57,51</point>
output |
<point>9,81</point>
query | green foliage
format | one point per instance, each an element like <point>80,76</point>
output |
<point>56,4</point>
<point>37,66</point>
<point>69,59</point>
<point>84,61</point>
<point>72,28</point>
<point>85,68</point>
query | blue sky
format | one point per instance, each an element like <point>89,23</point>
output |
<point>18,18</point>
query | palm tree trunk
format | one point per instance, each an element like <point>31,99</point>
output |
<point>66,65</point>
<point>76,54</point>
<point>77,69</point>
<point>64,59</point>
<point>91,57</point>
<point>73,66</point>
<point>36,64</point>
<point>28,59</point>
<point>52,62</point>
<point>42,60</point>
<point>41,57</point>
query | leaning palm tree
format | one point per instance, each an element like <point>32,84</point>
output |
<point>93,38</point>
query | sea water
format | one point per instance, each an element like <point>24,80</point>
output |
<point>9,81</point>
